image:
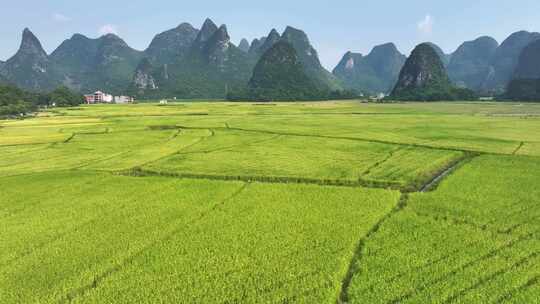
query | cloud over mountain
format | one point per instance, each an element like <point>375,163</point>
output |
<point>425,26</point>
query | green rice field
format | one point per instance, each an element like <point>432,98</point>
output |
<point>328,202</point>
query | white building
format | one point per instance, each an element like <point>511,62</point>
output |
<point>98,97</point>
<point>123,99</point>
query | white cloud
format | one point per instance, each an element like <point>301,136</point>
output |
<point>61,17</point>
<point>108,29</point>
<point>425,26</point>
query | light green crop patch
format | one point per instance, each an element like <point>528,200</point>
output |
<point>158,239</point>
<point>60,231</point>
<point>247,154</point>
<point>73,228</point>
<point>473,240</point>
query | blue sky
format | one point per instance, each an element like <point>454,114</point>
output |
<point>334,27</point>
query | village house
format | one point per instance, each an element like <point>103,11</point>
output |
<point>123,99</point>
<point>100,97</point>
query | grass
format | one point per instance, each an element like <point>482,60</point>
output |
<point>219,202</point>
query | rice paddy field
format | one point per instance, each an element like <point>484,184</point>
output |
<point>329,202</point>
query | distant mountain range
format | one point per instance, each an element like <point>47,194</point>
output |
<point>30,67</point>
<point>376,72</point>
<point>205,65</point>
<point>186,62</point>
<point>481,65</point>
<point>470,64</point>
<point>84,64</point>
<point>505,60</point>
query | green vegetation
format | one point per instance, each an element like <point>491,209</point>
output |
<point>505,60</point>
<point>524,89</point>
<point>300,242</point>
<point>280,76</point>
<point>375,73</point>
<point>475,240</point>
<point>315,202</point>
<point>470,64</point>
<point>525,84</point>
<point>266,156</point>
<point>424,78</point>
<point>106,63</point>
<point>14,101</point>
<point>64,97</point>
<point>207,65</point>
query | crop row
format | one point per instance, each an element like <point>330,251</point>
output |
<point>473,240</point>
<point>163,239</point>
<point>243,155</point>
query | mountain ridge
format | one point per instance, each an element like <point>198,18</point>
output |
<point>471,62</point>
<point>424,78</point>
<point>109,63</point>
<point>505,60</point>
<point>30,67</point>
<point>376,72</point>
<point>104,63</point>
<point>525,83</point>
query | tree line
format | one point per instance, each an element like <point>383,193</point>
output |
<point>17,102</point>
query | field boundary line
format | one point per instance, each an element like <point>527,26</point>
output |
<point>382,161</point>
<point>248,144</point>
<point>452,167</point>
<point>354,265</point>
<point>99,160</point>
<point>198,141</point>
<point>139,172</point>
<point>521,144</point>
<point>33,144</point>
<point>224,114</point>
<point>74,134</point>
<point>413,145</point>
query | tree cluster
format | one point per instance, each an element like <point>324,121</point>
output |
<point>17,102</point>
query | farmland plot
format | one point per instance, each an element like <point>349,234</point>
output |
<point>269,244</point>
<point>474,240</point>
<point>44,130</point>
<point>103,151</point>
<point>211,241</point>
<point>272,203</point>
<point>54,240</point>
<point>237,153</point>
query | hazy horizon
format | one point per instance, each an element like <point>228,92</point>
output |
<point>332,29</point>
